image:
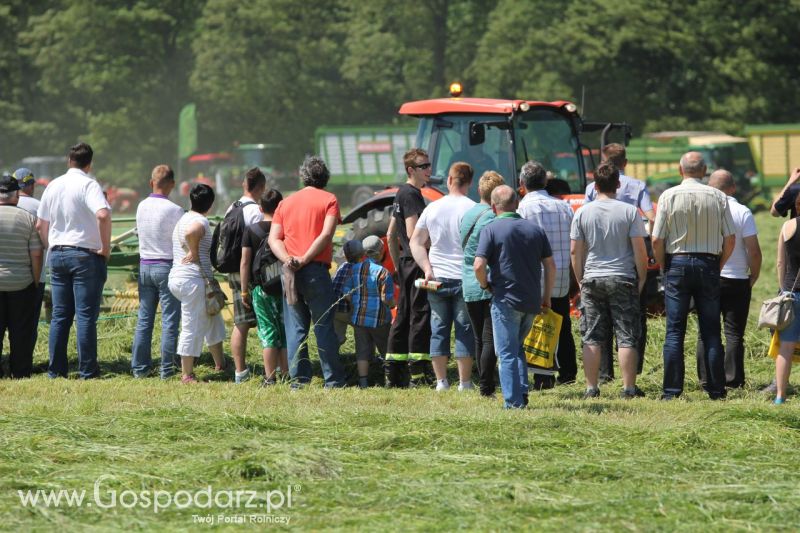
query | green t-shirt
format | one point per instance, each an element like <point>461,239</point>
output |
<point>483,214</point>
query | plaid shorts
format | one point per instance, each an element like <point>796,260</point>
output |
<point>607,302</point>
<point>242,316</point>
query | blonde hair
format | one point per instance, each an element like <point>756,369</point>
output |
<point>162,175</point>
<point>488,182</point>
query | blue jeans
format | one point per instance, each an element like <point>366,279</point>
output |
<point>315,299</point>
<point>510,328</point>
<point>153,287</point>
<point>76,283</point>
<point>448,309</point>
<point>695,276</point>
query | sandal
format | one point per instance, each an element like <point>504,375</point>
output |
<point>186,379</point>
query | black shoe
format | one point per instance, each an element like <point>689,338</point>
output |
<point>667,397</point>
<point>605,379</point>
<point>637,393</point>
<point>268,383</point>
<point>524,400</point>
<point>717,396</point>
<point>591,393</point>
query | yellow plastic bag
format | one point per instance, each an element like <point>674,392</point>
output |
<point>542,340</point>
<point>774,345</point>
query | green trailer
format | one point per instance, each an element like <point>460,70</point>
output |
<point>776,148</point>
<point>656,157</point>
<point>364,159</point>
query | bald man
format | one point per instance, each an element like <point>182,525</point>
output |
<point>736,281</point>
<point>693,238</point>
<point>516,250</point>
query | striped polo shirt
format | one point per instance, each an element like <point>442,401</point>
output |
<point>693,218</point>
<point>18,237</point>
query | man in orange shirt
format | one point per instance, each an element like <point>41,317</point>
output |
<point>302,238</point>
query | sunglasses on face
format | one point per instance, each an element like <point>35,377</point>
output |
<point>423,166</point>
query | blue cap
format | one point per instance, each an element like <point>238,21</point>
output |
<point>24,176</point>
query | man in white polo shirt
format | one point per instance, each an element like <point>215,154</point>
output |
<point>736,280</point>
<point>75,224</point>
<point>156,218</point>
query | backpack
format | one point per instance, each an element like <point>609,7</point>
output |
<point>265,269</point>
<point>226,243</point>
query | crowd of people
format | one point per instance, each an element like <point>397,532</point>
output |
<point>481,271</point>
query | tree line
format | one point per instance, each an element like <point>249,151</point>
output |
<point>116,73</point>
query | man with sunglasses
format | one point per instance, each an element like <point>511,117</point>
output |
<point>409,337</point>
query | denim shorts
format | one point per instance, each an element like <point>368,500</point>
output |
<point>792,333</point>
<point>448,310</point>
<point>606,303</point>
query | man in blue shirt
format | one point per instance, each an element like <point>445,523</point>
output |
<point>515,249</point>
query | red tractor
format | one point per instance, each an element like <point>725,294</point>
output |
<point>492,134</point>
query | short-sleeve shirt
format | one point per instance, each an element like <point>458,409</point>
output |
<point>251,212</point>
<point>514,248</point>
<point>785,204</point>
<point>441,219</point>
<point>18,237</point>
<point>180,248</point>
<point>253,237</point>
<point>631,191</point>
<point>693,218</point>
<point>342,275</point>
<point>736,267</point>
<point>156,217</point>
<point>554,216</point>
<point>607,226</point>
<point>70,204</point>
<point>302,216</point>
<point>476,218</point>
<point>368,281</point>
<point>408,202</point>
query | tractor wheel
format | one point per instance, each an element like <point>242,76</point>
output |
<point>376,222</point>
<point>361,195</point>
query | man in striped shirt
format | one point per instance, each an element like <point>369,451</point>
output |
<point>693,237</point>
<point>554,216</point>
<point>20,265</point>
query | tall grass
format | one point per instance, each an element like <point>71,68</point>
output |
<point>382,459</point>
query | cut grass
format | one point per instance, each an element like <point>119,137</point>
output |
<point>412,459</point>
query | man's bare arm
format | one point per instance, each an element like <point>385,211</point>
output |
<point>753,249</point>
<point>419,250</point>
<point>393,242</point>
<point>728,244</point>
<point>324,239</point>
<point>103,217</point>
<point>276,243</point>
<point>640,257</point>
<point>577,252</point>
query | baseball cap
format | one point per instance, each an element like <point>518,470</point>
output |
<point>24,176</point>
<point>353,250</point>
<point>9,184</point>
<point>373,247</point>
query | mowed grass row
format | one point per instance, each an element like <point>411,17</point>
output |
<point>412,459</point>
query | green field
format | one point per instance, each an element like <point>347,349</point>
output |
<point>410,460</point>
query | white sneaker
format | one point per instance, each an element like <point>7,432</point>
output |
<point>243,376</point>
<point>465,385</point>
<point>442,384</point>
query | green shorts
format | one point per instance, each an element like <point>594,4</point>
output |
<point>269,316</point>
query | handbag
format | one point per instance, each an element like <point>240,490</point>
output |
<point>778,313</point>
<point>541,343</point>
<point>215,298</point>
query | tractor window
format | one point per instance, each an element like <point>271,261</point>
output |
<point>452,144</point>
<point>547,136</point>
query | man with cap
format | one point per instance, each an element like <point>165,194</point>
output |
<point>75,223</point>
<point>27,182</point>
<point>370,289</point>
<point>20,267</point>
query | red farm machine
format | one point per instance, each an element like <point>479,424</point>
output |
<point>499,135</point>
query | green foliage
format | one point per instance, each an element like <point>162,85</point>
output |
<point>117,72</point>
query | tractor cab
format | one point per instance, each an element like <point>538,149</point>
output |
<point>501,135</point>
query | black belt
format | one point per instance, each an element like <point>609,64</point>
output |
<point>68,247</point>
